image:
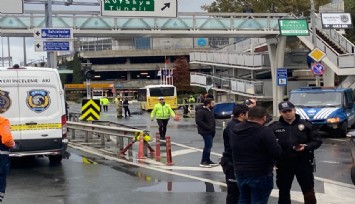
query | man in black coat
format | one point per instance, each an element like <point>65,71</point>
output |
<point>254,151</point>
<point>240,114</point>
<point>298,139</point>
<point>206,127</point>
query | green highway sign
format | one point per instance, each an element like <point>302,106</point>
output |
<point>293,27</point>
<point>136,8</point>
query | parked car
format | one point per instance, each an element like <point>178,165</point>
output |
<point>223,110</point>
<point>351,136</point>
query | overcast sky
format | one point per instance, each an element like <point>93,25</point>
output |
<point>16,45</point>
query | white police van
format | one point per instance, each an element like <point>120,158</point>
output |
<point>329,109</point>
<point>32,99</point>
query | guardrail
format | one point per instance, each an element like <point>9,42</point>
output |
<point>121,132</point>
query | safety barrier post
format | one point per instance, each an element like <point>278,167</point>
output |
<point>169,159</point>
<point>141,147</point>
<point>157,146</point>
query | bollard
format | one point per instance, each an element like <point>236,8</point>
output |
<point>169,159</point>
<point>141,147</point>
<point>157,147</point>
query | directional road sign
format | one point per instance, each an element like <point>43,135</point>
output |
<point>43,46</point>
<point>11,6</point>
<point>90,109</point>
<point>134,8</point>
<point>282,77</point>
<point>53,33</point>
<point>317,54</point>
<point>318,69</point>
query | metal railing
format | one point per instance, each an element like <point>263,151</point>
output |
<point>338,38</point>
<point>242,86</point>
<point>104,131</point>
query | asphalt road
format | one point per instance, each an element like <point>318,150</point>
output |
<point>91,176</point>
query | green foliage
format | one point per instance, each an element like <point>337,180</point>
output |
<point>182,75</point>
<point>75,65</point>
<point>297,7</point>
<point>350,7</point>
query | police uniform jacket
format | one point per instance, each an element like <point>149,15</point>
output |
<point>291,135</point>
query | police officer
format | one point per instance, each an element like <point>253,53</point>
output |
<point>239,115</point>
<point>298,140</point>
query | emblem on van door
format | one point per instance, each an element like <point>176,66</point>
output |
<point>5,101</point>
<point>38,100</point>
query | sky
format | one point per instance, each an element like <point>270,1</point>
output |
<point>16,44</point>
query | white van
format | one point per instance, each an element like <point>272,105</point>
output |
<point>32,99</point>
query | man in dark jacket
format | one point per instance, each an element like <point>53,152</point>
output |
<point>298,139</point>
<point>206,127</point>
<point>239,115</point>
<point>254,150</point>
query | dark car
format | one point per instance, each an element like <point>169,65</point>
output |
<point>223,110</point>
<point>351,136</point>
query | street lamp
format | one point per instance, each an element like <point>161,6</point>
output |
<point>314,33</point>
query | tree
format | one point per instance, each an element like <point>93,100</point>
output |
<point>298,7</point>
<point>182,75</point>
<point>75,65</point>
<point>350,7</point>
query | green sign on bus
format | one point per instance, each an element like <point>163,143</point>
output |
<point>293,27</point>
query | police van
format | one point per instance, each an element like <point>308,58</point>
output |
<point>33,100</point>
<point>329,109</point>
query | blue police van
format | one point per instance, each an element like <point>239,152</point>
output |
<point>329,109</point>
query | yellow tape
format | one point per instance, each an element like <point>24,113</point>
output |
<point>36,127</point>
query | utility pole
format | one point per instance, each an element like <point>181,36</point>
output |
<point>51,61</point>
<point>314,33</point>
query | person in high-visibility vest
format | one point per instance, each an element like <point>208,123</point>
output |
<point>6,143</point>
<point>162,112</point>
<point>104,102</point>
<point>118,103</point>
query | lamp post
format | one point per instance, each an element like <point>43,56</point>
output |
<point>314,33</point>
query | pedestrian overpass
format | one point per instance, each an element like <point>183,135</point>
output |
<point>340,51</point>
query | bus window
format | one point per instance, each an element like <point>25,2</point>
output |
<point>142,94</point>
<point>162,91</point>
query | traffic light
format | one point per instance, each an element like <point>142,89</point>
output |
<point>89,74</point>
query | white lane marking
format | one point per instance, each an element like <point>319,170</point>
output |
<point>328,197</point>
<point>194,148</point>
<point>182,152</point>
<point>330,162</point>
<point>334,182</point>
<point>94,151</point>
<point>339,140</point>
<point>190,168</point>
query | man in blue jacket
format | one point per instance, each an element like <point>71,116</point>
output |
<point>254,151</point>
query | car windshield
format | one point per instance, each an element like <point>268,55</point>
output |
<point>316,99</point>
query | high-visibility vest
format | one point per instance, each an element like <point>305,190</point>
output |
<point>5,134</point>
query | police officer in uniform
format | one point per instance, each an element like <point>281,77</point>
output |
<point>298,139</point>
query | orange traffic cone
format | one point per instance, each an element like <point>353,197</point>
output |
<point>169,159</point>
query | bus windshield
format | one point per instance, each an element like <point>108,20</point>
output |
<point>162,91</point>
<point>316,99</point>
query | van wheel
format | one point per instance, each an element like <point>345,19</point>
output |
<point>353,174</point>
<point>55,158</point>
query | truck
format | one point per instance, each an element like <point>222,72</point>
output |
<point>330,109</point>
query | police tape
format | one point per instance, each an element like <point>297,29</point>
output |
<point>21,127</point>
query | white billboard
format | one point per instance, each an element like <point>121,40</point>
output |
<point>336,21</point>
<point>11,6</point>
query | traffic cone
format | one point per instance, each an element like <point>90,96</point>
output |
<point>141,147</point>
<point>157,147</point>
<point>169,159</point>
